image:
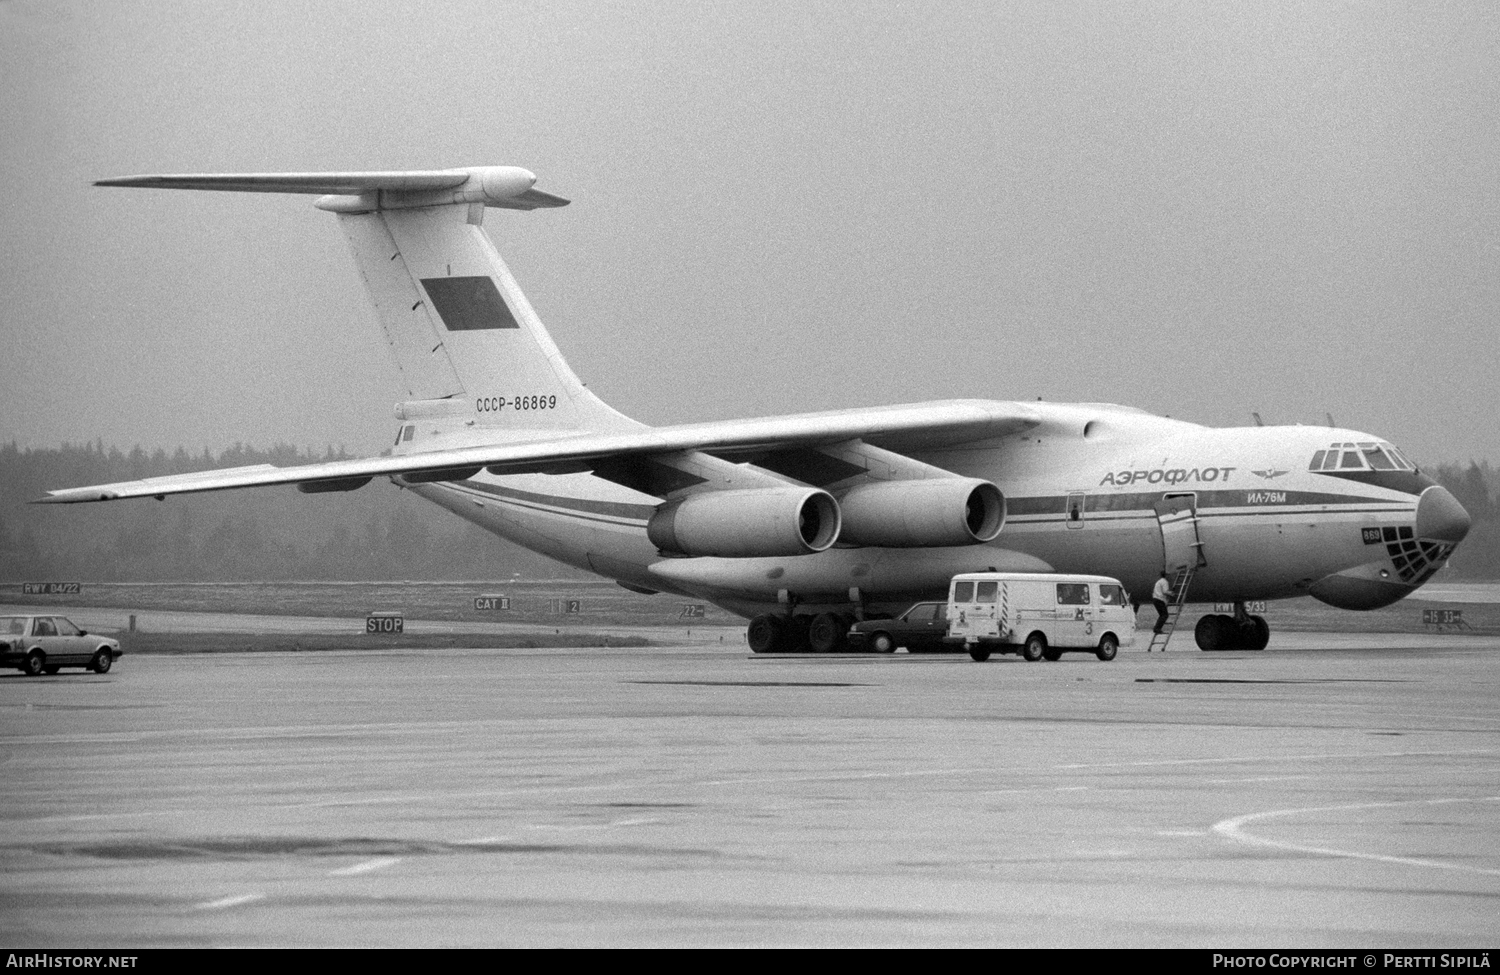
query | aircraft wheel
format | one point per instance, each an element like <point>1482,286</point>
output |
<point>827,633</point>
<point>979,652</point>
<point>1210,633</point>
<point>53,669</point>
<point>765,634</point>
<point>35,664</point>
<point>1052,653</point>
<point>1108,647</point>
<point>1035,648</point>
<point>796,634</point>
<point>882,643</point>
<point>1261,636</point>
<point>101,662</point>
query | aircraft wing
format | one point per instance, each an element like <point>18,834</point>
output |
<point>894,427</point>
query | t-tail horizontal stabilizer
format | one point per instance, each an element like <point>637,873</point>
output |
<point>505,187</point>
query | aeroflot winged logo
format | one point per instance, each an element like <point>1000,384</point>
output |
<point>1269,473</point>
<point>1175,475</point>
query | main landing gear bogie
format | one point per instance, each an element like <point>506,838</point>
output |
<point>829,633</point>
<point>1221,632</point>
<point>778,633</point>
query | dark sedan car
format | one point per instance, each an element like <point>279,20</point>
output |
<point>920,630</point>
<point>46,644</point>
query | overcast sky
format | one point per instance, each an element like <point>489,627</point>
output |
<point>1199,209</point>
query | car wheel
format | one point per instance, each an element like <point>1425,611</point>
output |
<point>1108,647</point>
<point>882,643</point>
<point>35,664</point>
<point>1036,646</point>
<point>979,652</point>
<point>101,662</point>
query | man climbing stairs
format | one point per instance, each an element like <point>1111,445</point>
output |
<point>1179,588</point>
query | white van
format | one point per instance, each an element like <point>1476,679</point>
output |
<point>1038,614</point>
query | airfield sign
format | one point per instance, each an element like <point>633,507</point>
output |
<point>380,623</point>
<point>51,588</point>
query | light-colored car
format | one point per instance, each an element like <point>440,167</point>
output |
<point>45,644</point>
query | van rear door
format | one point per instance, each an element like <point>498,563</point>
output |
<point>974,614</point>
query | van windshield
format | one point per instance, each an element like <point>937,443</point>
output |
<point>1111,596</point>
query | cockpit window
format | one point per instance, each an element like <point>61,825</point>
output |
<point>1359,457</point>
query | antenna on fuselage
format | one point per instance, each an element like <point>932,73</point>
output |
<point>1330,419</point>
<point>1258,421</point>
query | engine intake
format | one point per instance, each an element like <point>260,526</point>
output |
<point>744,524</point>
<point>922,514</point>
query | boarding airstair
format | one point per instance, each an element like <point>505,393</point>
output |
<point>1179,583</point>
<point>1182,555</point>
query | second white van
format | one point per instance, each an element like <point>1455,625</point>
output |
<point>1039,615</point>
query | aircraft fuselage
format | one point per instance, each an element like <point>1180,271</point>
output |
<point>1090,489</point>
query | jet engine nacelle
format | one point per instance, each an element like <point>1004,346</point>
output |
<point>922,514</point>
<point>742,524</point>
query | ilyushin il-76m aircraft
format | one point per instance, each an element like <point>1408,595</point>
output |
<point>804,523</point>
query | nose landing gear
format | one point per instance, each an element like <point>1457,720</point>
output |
<point>1238,632</point>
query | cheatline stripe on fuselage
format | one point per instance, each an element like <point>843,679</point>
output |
<point>605,512</point>
<point>1039,510</point>
<point>1217,514</point>
<point>1119,518</point>
<point>1136,501</point>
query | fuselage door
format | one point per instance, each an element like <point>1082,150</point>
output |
<point>1177,514</point>
<point>1077,506</point>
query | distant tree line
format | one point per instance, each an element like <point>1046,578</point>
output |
<point>378,532</point>
<point>1476,486</point>
<point>374,533</point>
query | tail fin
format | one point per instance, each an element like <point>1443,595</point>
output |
<point>469,346</point>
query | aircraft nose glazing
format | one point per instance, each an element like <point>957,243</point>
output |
<point>1440,516</point>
